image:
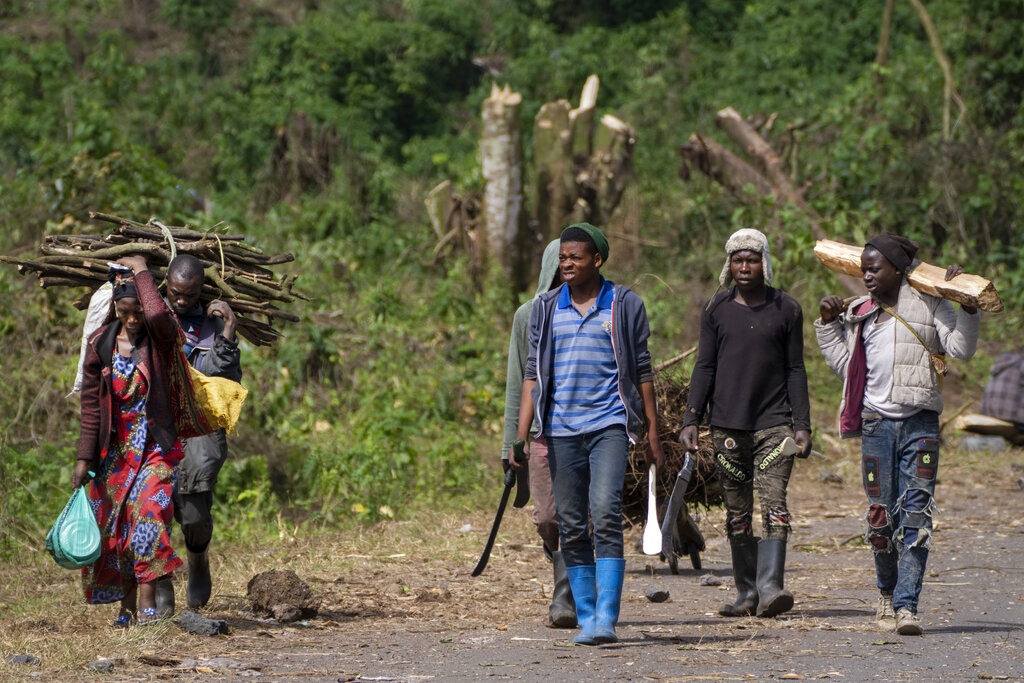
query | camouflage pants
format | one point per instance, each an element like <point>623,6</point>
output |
<point>753,459</point>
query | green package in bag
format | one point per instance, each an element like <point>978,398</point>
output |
<point>74,539</point>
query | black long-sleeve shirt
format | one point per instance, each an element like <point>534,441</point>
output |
<point>750,365</point>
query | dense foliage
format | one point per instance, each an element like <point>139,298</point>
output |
<point>389,394</point>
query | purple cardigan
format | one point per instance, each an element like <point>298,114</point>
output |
<point>153,357</point>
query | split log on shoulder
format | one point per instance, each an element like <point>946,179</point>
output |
<point>966,289</point>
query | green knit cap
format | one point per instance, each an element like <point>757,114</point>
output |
<point>596,237</point>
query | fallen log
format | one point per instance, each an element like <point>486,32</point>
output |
<point>724,167</point>
<point>986,424</point>
<point>966,289</point>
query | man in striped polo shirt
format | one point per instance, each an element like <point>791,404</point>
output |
<point>589,385</point>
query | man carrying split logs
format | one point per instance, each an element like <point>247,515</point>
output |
<point>888,348</point>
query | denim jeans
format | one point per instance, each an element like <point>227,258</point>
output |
<point>899,464</point>
<point>587,475</point>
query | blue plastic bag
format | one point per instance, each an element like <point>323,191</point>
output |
<point>74,539</point>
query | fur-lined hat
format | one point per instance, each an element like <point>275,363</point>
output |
<point>747,239</point>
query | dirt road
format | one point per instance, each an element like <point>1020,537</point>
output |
<point>972,608</point>
<point>399,604</point>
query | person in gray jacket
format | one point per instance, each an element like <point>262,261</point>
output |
<point>888,348</point>
<point>211,348</point>
<point>562,611</point>
<point>589,387</point>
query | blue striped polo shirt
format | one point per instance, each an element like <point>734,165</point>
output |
<point>585,380</point>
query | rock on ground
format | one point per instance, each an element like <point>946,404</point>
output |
<point>281,594</point>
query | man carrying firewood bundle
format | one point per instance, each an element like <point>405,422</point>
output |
<point>749,381</point>
<point>211,348</point>
<point>888,348</point>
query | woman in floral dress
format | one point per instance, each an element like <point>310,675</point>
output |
<point>128,440</point>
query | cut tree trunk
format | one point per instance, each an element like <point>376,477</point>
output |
<point>966,289</point>
<point>501,158</point>
<point>554,181</point>
<point>603,180</point>
<point>581,120</point>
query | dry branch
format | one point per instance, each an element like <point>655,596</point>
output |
<point>966,289</point>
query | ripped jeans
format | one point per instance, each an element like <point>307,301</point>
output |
<point>899,464</point>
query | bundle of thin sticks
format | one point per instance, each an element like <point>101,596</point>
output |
<point>671,389</point>
<point>236,271</point>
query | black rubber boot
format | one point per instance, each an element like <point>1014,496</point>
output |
<point>165,597</point>
<point>773,599</point>
<point>744,571</point>
<point>200,585</point>
<point>562,612</point>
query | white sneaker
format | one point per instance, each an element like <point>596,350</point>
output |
<point>907,623</point>
<point>884,614</point>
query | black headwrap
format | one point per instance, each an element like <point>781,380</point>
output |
<point>125,289</point>
<point>898,249</point>
<point>124,284</point>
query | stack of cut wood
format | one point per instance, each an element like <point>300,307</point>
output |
<point>236,271</point>
<point>705,488</point>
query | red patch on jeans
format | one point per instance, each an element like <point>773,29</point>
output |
<point>878,516</point>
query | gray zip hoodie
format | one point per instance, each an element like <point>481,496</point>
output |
<point>630,331</point>
<point>519,348</point>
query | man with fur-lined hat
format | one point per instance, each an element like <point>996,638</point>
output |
<point>749,382</point>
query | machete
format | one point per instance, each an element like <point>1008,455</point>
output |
<point>522,476</point>
<point>676,500</point>
<point>510,481</point>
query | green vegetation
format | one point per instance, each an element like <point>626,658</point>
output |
<point>388,396</point>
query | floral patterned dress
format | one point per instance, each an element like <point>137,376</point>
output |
<point>131,496</point>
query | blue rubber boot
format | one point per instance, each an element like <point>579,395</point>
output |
<point>611,572</point>
<point>584,591</point>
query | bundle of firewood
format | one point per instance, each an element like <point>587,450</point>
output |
<point>236,271</point>
<point>705,489</point>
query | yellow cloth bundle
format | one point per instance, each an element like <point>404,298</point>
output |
<point>220,399</point>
